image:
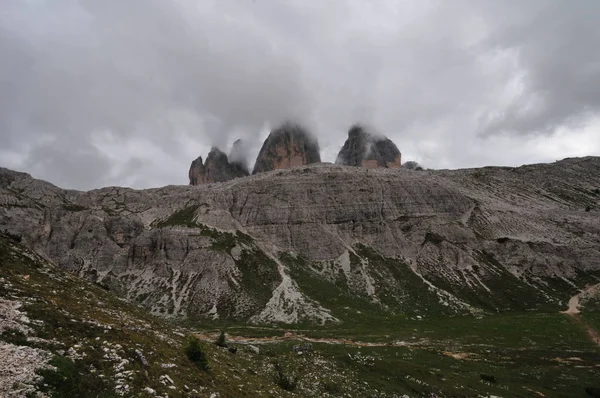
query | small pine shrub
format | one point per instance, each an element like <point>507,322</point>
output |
<point>283,380</point>
<point>221,341</point>
<point>332,388</point>
<point>593,392</point>
<point>195,354</point>
<point>14,336</point>
<point>491,379</point>
<point>72,380</point>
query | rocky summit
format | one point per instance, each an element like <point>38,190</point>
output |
<point>287,146</point>
<point>364,149</point>
<point>216,169</point>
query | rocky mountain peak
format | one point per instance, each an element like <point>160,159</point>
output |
<point>288,145</point>
<point>216,169</point>
<point>197,171</point>
<point>365,149</point>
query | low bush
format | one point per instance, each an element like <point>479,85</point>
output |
<point>593,392</point>
<point>221,340</point>
<point>71,380</point>
<point>14,336</point>
<point>196,354</point>
<point>284,380</point>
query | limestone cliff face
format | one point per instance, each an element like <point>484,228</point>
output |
<point>369,151</point>
<point>216,169</point>
<point>448,241</point>
<point>287,146</point>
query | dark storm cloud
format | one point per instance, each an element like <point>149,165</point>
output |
<point>129,92</point>
<point>556,46</point>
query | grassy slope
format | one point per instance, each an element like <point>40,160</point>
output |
<point>79,315</point>
<point>525,352</point>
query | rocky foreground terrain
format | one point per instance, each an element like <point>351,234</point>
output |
<point>326,243</point>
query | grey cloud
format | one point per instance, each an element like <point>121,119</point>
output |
<point>129,92</point>
<point>556,44</point>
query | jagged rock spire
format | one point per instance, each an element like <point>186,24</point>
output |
<point>216,169</point>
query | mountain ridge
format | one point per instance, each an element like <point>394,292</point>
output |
<point>462,241</point>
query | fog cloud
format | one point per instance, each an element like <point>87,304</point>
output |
<point>114,92</point>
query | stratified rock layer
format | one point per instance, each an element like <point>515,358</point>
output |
<point>370,151</point>
<point>287,146</point>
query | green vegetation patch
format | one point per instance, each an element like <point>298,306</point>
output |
<point>400,289</point>
<point>259,276</point>
<point>505,291</point>
<point>73,207</point>
<point>183,217</point>
<point>343,303</point>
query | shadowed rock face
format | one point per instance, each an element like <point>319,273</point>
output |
<point>365,150</point>
<point>216,169</point>
<point>197,172</point>
<point>287,146</point>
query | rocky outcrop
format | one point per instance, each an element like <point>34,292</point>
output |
<point>216,169</point>
<point>366,150</point>
<point>197,172</point>
<point>254,248</point>
<point>289,145</point>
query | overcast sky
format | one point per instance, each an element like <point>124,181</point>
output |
<point>129,92</point>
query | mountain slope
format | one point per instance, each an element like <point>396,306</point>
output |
<point>394,241</point>
<point>64,337</point>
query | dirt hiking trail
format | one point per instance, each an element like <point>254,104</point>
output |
<point>573,311</point>
<point>301,338</point>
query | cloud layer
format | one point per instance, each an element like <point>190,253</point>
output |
<point>96,93</point>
